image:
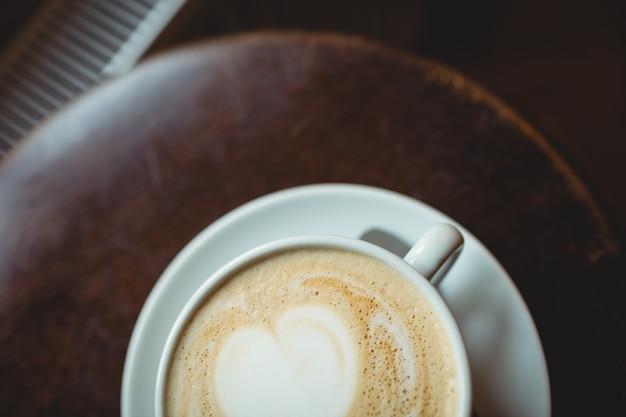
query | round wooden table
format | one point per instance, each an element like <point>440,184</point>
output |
<point>97,202</point>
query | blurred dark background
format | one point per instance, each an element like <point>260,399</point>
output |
<point>560,63</point>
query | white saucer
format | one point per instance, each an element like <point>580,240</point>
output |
<point>509,373</point>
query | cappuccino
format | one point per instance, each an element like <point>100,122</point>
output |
<point>313,332</point>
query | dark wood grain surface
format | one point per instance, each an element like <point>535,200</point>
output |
<point>100,198</point>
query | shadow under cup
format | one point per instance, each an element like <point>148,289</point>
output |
<point>316,339</point>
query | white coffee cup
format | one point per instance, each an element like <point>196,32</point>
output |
<point>307,356</point>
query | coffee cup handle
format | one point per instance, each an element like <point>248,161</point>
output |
<point>436,251</point>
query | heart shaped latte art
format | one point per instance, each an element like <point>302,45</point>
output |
<point>305,366</point>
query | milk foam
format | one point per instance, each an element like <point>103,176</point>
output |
<point>305,366</point>
<point>315,332</point>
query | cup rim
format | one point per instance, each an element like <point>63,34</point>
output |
<point>272,248</point>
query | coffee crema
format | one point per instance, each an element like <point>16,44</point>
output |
<point>313,332</point>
